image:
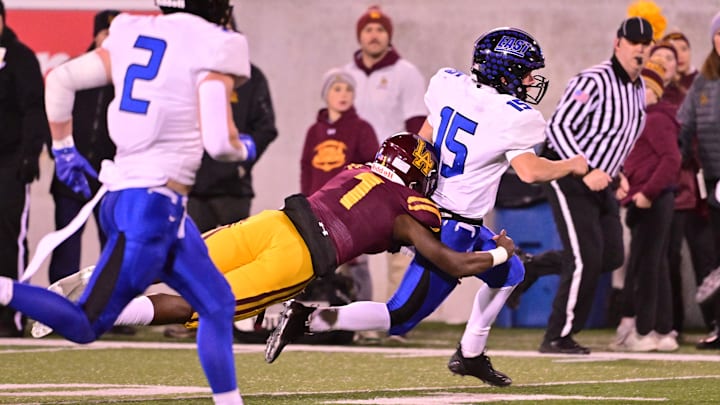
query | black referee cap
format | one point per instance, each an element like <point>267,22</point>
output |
<point>636,29</point>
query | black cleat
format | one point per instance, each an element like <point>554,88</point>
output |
<point>563,345</point>
<point>293,324</point>
<point>479,367</point>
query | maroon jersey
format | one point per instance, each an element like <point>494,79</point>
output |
<point>358,208</point>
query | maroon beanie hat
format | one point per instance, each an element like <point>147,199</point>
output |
<point>374,15</point>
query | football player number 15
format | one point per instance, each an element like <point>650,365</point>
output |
<point>148,71</point>
<point>450,123</point>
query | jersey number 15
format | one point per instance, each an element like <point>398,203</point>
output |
<point>450,123</point>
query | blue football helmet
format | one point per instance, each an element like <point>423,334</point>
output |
<point>503,56</point>
<point>214,11</point>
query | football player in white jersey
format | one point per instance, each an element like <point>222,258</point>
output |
<point>173,75</point>
<point>480,125</point>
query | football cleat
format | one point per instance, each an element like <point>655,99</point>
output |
<point>479,367</point>
<point>70,287</point>
<point>293,324</point>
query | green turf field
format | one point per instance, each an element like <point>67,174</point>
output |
<point>154,370</point>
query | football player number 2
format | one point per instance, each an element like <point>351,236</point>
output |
<point>135,71</point>
<point>450,123</point>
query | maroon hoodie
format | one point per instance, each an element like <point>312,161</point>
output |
<point>654,162</point>
<point>329,147</point>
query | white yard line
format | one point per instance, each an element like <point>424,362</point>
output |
<point>24,344</point>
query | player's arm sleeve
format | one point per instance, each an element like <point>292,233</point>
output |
<point>84,72</point>
<point>570,120</point>
<point>214,122</point>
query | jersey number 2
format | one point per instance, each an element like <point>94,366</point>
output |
<point>157,48</point>
<point>450,122</point>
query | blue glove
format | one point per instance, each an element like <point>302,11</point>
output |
<point>249,143</point>
<point>71,167</point>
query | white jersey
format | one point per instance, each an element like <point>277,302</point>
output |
<point>157,63</point>
<point>388,96</point>
<point>477,131</point>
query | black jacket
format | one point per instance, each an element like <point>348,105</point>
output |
<point>23,123</point>
<point>253,114</point>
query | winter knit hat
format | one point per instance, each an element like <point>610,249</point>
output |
<point>676,36</point>
<point>664,45</point>
<point>374,15</point>
<point>335,75</point>
<point>653,73</point>
<point>714,25</point>
<point>103,20</point>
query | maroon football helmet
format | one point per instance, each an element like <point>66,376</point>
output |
<point>408,159</point>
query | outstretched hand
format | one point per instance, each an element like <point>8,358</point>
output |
<point>505,242</point>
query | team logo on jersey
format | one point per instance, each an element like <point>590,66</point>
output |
<point>422,158</point>
<point>512,45</point>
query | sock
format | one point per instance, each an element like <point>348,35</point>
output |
<point>228,398</point>
<point>6,290</point>
<point>356,316</point>
<point>486,306</point>
<point>139,311</point>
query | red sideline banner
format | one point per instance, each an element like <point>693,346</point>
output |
<point>54,35</point>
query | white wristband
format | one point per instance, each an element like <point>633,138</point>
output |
<point>499,255</point>
<point>66,142</point>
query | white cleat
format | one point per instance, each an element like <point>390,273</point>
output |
<point>70,287</point>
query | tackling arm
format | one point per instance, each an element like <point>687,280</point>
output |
<point>455,264</point>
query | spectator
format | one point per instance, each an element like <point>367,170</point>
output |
<point>652,169</point>
<point>23,130</point>
<point>600,115</point>
<point>690,218</point>
<point>338,138</point>
<point>699,116</point>
<point>92,141</point>
<point>389,95</point>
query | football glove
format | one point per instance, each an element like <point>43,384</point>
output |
<point>71,168</point>
<point>250,147</point>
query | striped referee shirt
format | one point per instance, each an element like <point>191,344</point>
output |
<point>601,115</point>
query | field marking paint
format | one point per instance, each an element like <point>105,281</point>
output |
<point>450,398</point>
<point>441,395</point>
<point>30,344</point>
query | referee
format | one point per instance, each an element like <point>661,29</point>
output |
<point>600,115</point>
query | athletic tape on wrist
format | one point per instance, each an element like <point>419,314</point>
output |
<point>499,255</point>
